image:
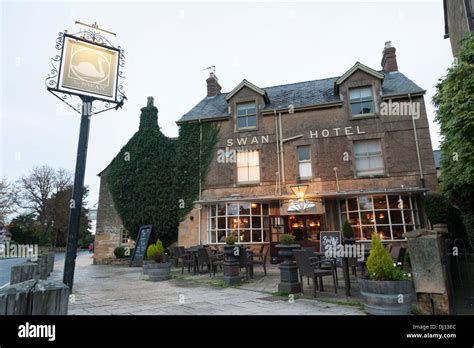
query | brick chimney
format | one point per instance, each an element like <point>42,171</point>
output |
<point>213,86</point>
<point>389,58</point>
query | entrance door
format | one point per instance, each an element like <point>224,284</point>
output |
<point>304,228</point>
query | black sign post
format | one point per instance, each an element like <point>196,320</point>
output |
<point>146,235</point>
<point>77,192</point>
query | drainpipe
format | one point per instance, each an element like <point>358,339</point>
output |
<point>282,161</point>
<point>417,145</point>
<point>200,184</point>
<point>277,142</point>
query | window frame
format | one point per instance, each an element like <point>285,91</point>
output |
<point>308,177</point>
<point>124,232</point>
<point>214,214</point>
<point>370,172</point>
<point>410,207</point>
<point>246,116</point>
<point>361,101</point>
<point>248,166</point>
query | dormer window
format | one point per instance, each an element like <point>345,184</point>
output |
<point>361,100</point>
<point>246,116</point>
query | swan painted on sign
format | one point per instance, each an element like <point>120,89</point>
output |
<point>89,70</point>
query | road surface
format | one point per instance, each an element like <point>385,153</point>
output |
<point>6,265</point>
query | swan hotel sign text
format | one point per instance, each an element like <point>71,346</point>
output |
<point>314,134</point>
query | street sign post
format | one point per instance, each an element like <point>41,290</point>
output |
<point>87,70</point>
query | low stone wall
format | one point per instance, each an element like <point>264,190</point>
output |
<point>41,268</point>
<point>34,297</point>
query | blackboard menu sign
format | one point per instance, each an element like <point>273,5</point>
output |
<point>141,245</point>
<point>329,238</point>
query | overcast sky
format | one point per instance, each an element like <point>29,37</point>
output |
<point>168,43</point>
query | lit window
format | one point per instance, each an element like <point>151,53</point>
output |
<point>125,236</point>
<point>246,116</point>
<point>248,222</point>
<point>368,157</point>
<point>304,162</point>
<point>387,215</point>
<point>361,100</point>
<point>248,167</point>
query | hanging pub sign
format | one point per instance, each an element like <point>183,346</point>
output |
<point>89,68</point>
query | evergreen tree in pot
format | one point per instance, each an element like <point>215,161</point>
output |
<point>387,289</point>
<point>347,233</point>
<point>156,267</point>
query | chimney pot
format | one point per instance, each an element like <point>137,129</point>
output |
<point>213,86</point>
<point>389,58</point>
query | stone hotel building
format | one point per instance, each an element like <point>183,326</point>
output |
<point>305,157</point>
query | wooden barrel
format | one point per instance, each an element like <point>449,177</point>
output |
<point>386,297</point>
<point>159,271</point>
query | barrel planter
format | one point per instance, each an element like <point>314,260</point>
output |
<point>386,297</point>
<point>158,271</point>
<point>146,264</point>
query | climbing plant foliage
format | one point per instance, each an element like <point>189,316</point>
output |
<point>195,150</point>
<point>153,175</point>
<point>454,101</point>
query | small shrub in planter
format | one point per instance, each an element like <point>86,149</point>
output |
<point>286,239</point>
<point>347,232</point>
<point>119,252</point>
<point>231,239</point>
<point>388,289</point>
<point>156,268</point>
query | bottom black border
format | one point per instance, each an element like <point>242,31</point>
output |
<point>243,330</point>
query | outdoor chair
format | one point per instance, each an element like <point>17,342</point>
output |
<point>203,259</point>
<point>188,260</point>
<point>177,255</point>
<point>245,260</point>
<point>312,270</point>
<point>260,258</point>
<point>215,260</point>
<point>325,265</point>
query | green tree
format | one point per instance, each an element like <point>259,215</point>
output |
<point>57,210</point>
<point>25,229</point>
<point>440,211</point>
<point>455,115</point>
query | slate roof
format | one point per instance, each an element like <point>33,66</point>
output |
<point>299,94</point>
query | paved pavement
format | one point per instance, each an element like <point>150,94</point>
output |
<point>118,290</point>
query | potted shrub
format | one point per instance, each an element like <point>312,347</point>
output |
<point>288,270</point>
<point>156,267</point>
<point>286,247</point>
<point>347,233</point>
<point>387,289</point>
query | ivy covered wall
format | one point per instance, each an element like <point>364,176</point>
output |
<point>155,179</point>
